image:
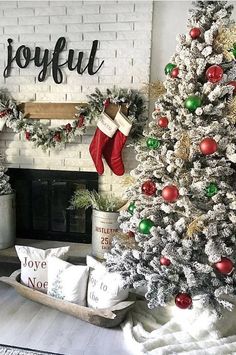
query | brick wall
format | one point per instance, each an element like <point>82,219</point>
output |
<point>123,29</point>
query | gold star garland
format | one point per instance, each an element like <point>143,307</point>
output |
<point>154,89</point>
<point>125,240</point>
<point>194,227</point>
<point>224,41</point>
<point>231,109</point>
<point>183,150</point>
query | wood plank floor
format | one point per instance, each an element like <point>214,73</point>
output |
<point>28,324</point>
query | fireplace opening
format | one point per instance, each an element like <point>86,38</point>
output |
<point>42,204</point>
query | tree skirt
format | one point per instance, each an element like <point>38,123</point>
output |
<point>14,350</point>
<point>159,332</point>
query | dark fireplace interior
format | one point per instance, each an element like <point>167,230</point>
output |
<point>42,204</point>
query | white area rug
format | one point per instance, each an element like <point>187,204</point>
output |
<point>13,350</point>
<point>161,333</point>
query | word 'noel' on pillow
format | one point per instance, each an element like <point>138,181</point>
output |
<point>105,289</point>
<point>34,272</point>
<point>66,281</point>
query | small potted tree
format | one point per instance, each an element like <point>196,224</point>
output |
<point>7,210</point>
<point>104,220</point>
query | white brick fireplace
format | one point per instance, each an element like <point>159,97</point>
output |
<point>123,29</point>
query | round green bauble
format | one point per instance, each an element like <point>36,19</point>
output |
<point>211,189</point>
<point>145,225</point>
<point>131,208</point>
<point>169,67</point>
<point>192,103</point>
<point>233,50</point>
<point>153,143</point>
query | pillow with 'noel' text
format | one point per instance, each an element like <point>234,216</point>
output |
<point>105,289</point>
<point>66,281</point>
<point>34,272</point>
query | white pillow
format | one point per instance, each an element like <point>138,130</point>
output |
<point>34,271</point>
<point>67,281</point>
<point>105,289</point>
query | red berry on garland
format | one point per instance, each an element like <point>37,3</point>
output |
<point>27,136</point>
<point>163,122</point>
<point>80,121</point>
<point>149,188</point>
<point>175,73</point>
<point>106,103</point>
<point>165,261</point>
<point>183,300</point>
<point>225,266</point>
<point>214,73</point>
<point>195,32</point>
<point>233,83</point>
<point>170,193</point>
<point>68,127</point>
<point>57,137</point>
<point>208,146</point>
<point>131,234</point>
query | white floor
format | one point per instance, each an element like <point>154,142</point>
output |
<point>27,324</point>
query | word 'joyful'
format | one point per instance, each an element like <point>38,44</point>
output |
<point>42,58</point>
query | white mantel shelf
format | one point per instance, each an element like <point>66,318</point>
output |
<point>77,252</point>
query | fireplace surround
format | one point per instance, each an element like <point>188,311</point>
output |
<point>42,204</point>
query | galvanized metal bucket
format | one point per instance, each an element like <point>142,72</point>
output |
<point>7,221</point>
<point>103,225</point>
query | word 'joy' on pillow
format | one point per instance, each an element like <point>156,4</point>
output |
<point>34,271</point>
<point>105,289</point>
<point>67,281</point>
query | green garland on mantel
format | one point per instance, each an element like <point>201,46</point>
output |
<point>50,137</point>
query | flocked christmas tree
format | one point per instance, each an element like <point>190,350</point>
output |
<point>5,187</point>
<point>179,232</point>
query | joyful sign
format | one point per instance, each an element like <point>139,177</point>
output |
<point>42,59</point>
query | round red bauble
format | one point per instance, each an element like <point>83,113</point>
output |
<point>225,266</point>
<point>165,261</point>
<point>233,83</point>
<point>106,103</point>
<point>214,73</point>
<point>131,234</point>
<point>208,146</point>
<point>195,32</point>
<point>149,188</point>
<point>170,193</point>
<point>183,300</point>
<point>174,73</point>
<point>27,135</point>
<point>163,122</point>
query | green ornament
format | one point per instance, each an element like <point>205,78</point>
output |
<point>169,67</point>
<point>131,208</point>
<point>192,103</point>
<point>211,189</point>
<point>153,143</point>
<point>233,50</point>
<point>145,225</point>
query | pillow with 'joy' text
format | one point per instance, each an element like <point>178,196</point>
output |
<point>105,289</point>
<point>34,272</point>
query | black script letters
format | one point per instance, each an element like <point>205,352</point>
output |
<point>23,57</point>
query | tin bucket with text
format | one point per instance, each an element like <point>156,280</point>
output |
<point>103,225</point>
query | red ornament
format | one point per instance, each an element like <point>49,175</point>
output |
<point>208,146</point>
<point>183,300</point>
<point>80,121</point>
<point>57,137</point>
<point>106,103</point>
<point>163,122</point>
<point>27,136</point>
<point>233,83</point>
<point>131,234</point>
<point>214,73</point>
<point>5,112</point>
<point>165,261</point>
<point>170,193</point>
<point>149,188</point>
<point>68,127</point>
<point>195,32</point>
<point>174,73</point>
<point>225,266</point>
